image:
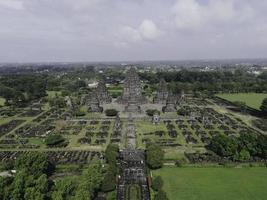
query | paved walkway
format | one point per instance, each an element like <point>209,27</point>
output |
<point>132,167</point>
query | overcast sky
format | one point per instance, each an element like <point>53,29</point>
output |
<point>113,30</point>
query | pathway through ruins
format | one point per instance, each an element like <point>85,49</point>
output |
<point>132,167</point>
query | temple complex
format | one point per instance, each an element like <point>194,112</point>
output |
<point>162,93</point>
<point>102,92</point>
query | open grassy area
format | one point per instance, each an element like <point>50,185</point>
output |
<point>2,101</point>
<point>252,100</point>
<point>214,183</point>
<point>52,94</point>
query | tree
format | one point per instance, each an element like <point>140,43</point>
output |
<point>58,102</point>
<point>31,193</point>
<point>56,139</point>
<point>64,188</point>
<point>34,163</point>
<point>154,156</point>
<point>90,182</point>
<point>242,105</point>
<point>151,112</point>
<point>19,185</point>
<point>262,146</point>
<point>111,153</point>
<point>111,112</point>
<point>242,156</point>
<point>109,182</point>
<point>264,106</point>
<point>183,112</point>
<point>157,183</point>
<point>223,145</point>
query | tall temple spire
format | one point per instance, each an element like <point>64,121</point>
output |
<point>162,92</point>
<point>102,92</point>
<point>132,90</point>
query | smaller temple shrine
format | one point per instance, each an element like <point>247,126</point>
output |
<point>93,104</point>
<point>162,93</point>
<point>170,104</point>
<point>102,92</point>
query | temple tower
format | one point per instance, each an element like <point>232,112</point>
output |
<point>132,90</point>
<point>162,93</point>
<point>102,92</point>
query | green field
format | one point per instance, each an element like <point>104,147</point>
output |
<point>214,183</point>
<point>252,100</point>
<point>2,101</point>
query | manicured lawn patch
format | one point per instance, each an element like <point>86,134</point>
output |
<point>52,94</point>
<point>252,100</point>
<point>2,101</point>
<point>214,183</point>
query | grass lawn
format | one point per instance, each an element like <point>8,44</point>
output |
<point>214,183</point>
<point>52,94</point>
<point>252,100</point>
<point>2,101</point>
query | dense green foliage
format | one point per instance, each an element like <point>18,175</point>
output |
<point>55,139</point>
<point>19,89</point>
<point>263,106</point>
<point>57,102</point>
<point>30,181</point>
<point>151,112</point>
<point>111,112</point>
<point>183,112</point>
<point>213,81</point>
<point>157,183</point>
<point>35,163</point>
<point>109,182</point>
<point>154,156</point>
<point>241,148</point>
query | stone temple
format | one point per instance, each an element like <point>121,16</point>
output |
<point>102,92</point>
<point>170,103</point>
<point>162,93</point>
<point>93,104</point>
<point>132,90</point>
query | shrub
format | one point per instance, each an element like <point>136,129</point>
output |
<point>183,112</point>
<point>242,156</point>
<point>154,156</point>
<point>151,112</point>
<point>52,140</point>
<point>111,112</point>
<point>180,162</point>
<point>116,94</point>
<point>161,195</point>
<point>80,113</point>
<point>157,183</point>
<point>109,182</point>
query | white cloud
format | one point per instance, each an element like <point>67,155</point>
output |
<point>191,15</point>
<point>146,31</point>
<point>149,30</point>
<point>12,4</point>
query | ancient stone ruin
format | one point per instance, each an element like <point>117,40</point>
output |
<point>162,93</point>
<point>102,92</point>
<point>132,167</point>
<point>93,104</point>
<point>170,104</point>
<point>132,90</point>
